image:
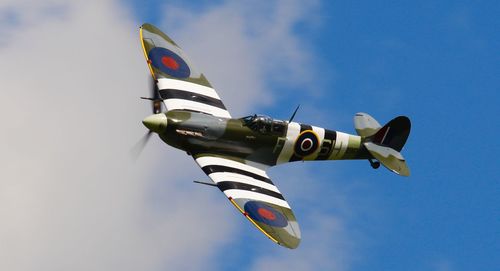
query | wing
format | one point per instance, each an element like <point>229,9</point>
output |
<point>251,191</point>
<point>180,85</point>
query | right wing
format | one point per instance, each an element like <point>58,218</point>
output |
<point>180,85</point>
<point>252,192</point>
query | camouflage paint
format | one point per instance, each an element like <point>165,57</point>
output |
<point>198,133</point>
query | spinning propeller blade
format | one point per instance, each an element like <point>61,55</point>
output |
<point>139,146</point>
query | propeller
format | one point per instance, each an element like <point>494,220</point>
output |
<point>155,99</point>
<point>139,146</point>
<point>156,107</point>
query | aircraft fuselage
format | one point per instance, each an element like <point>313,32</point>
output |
<point>258,139</point>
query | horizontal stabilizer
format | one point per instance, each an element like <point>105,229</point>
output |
<point>365,125</point>
<point>390,158</point>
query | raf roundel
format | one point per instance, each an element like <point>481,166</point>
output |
<point>266,214</point>
<point>169,62</point>
<point>306,144</point>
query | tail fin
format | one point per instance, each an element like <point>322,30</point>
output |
<point>394,134</point>
<point>385,143</point>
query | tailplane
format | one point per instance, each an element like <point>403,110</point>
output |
<point>366,125</point>
<point>385,143</point>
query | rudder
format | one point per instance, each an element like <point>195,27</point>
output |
<point>394,134</point>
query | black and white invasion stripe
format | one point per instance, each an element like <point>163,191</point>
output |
<point>327,146</point>
<point>179,94</point>
<point>238,180</point>
<point>166,94</point>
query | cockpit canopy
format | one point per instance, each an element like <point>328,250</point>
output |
<point>265,124</point>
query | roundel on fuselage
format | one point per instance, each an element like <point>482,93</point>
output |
<point>306,143</point>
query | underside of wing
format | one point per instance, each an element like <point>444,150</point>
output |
<point>180,85</point>
<point>251,191</point>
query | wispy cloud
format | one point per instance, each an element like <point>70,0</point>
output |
<point>70,197</point>
<point>326,213</point>
<point>247,50</point>
<point>328,246</point>
<point>443,265</point>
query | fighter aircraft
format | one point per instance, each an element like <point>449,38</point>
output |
<point>236,152</point>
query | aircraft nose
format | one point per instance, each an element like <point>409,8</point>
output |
<point>156,123</point>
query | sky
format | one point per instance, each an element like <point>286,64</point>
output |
<point>72,72</point>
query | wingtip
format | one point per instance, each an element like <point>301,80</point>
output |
<point>291,245</point>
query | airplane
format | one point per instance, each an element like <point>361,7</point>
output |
<point>236,152</point>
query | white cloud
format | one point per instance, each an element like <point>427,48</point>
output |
<point>325,214</point>
<point>443,265</point>
<point>328,247</point>
<point>70,197</point>
<point>71,74</point>
<point>247,50</point>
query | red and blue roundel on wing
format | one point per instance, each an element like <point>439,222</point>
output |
<point>169,62</point>
<point>306,144</point>
<point>261,212</point>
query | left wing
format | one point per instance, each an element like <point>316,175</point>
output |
<point>251,191</point>
<point>180,85</point>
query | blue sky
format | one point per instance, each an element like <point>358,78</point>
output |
<point>71,199</point>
